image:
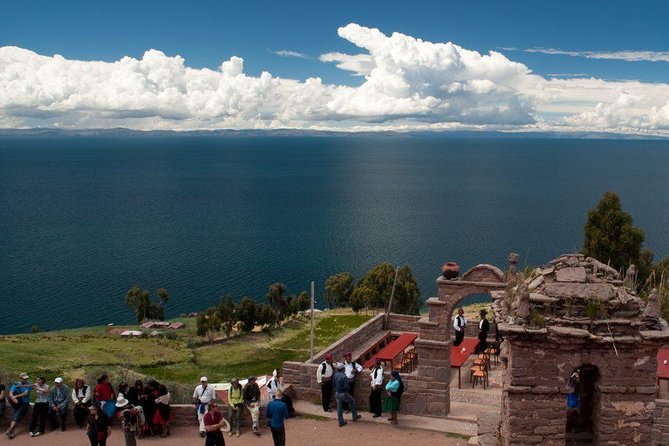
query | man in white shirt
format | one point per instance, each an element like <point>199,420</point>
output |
<point>376,378</point>
<point>202,395</point>
<point>324,378</point>
<point>459,324</point>
<point>351,369</point>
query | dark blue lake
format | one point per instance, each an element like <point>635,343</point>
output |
<point>82,219</point>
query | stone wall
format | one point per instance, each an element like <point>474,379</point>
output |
<point>661,425</point>
<point>534,391</point>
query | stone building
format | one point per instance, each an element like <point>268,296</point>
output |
<point>573,315</point>
<point>577,318</point>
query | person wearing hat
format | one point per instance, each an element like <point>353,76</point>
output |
<point>235,404</point>
<point>202,395</point>
<point>40,408</point>
<point>484,327</point>
<point>129,420</point>
<point>324,378</point>
<point>342,395</point>
<point>59,397</point>
<point>376,382</point>
<point>352,368</point>
<point>99,425</point>
<point>19,398</point>
<point>251,394</point>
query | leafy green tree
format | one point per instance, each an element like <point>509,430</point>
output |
<point>303,301</point>
<point>361,298</point>
<point>338,289</point>
<point>379,280</point>
<point>265,317</point>
<point>407,295</point>
<point>275,297</point>
<point>227,314</point>
<point>202,324</point>
<point>247,314</point>
<point>139,301</point>
<point>611,238</point>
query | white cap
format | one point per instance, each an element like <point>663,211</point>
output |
<point>204,378</point>
<point>58,380</point>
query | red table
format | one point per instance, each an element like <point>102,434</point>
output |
<point>394,349</point>
<point>459,357</point>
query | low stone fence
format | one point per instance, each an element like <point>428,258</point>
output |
<point>661,423</point>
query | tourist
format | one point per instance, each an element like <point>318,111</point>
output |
<point>342,395</point>
<point>40,408</point>
<point>235,404</point>
<point>202,395</point>
<point>324,378</point>
<point>352,368</point>
<point>394,388</point>
<point>81,397</point>
<point>273,384</point>
<point>252,400</point>
<point>213,423</point>
<point>276,413</point>
<point>19,398</point>
<point>99,425</point>
<point>104,394</point>
<point>59,399</point>
<point>376,382</point>
<point>459,324</point>
<point>136,394</point>
<point>484,327</point>
<point>163,412</point>
<point>149,406</point>
<point>123,390</point>
<point>129,420</point>
<point>3,396</point>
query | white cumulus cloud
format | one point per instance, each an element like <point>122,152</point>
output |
<point>408,84</point>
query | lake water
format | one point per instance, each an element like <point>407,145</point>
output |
<point>82,219</point>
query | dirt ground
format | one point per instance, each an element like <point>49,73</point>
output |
<point>299,431</point>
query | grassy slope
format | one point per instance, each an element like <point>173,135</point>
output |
<point>72,353</point>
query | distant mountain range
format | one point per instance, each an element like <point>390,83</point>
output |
<point>469,134</point>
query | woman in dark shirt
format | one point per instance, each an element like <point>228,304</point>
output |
<point>99,427</point>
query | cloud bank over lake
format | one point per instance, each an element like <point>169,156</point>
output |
<point>406,84</point>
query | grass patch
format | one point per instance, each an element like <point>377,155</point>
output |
<point>181,360</point>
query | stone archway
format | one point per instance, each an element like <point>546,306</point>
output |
<point>434,337</point>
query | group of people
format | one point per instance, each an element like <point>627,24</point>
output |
<point>142,409</point>
<point>339,377</point>
<point>460,322</point>
<point>212,422</point>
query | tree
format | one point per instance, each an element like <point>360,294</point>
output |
<point>277,300</point>
<point>379,280</point>
<point>247,314</point>
<point>611,238</point>
<point>265,316</point>
<point>139,301</point>
<point>202,324</point>
<point>227,314</point>
<point>361,298</point>
<point>338,289</point>
<point>303,301</point>
<point>407,295</point>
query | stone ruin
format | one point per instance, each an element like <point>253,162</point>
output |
<point>574,313</point>
<point>577,314</point>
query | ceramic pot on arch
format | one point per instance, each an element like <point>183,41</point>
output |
<point>450,270</point>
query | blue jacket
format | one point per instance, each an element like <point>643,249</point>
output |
<point>340,382</point>
<point>276,411</point>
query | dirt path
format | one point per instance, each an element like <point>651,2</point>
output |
<point>299,431</point>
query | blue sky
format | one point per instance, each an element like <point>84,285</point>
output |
<point>567,40</point>
<point>207,32</point>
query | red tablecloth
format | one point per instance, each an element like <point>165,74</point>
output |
<point>663,363</point>
<point>458,357</point>
<point>392,350</point>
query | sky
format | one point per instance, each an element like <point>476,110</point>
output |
<point>597,66</point>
